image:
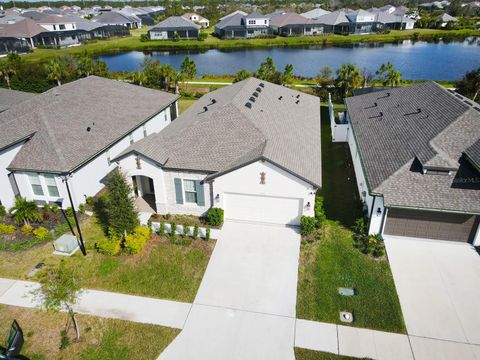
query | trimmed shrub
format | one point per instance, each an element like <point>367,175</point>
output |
<point>81,208</point>
<point>69,212</point>
<point>207,233</point>
<point>89,200</point>
<point>27,230</point>
<point>202,36</point>
<point>195,231</point>
<point>379,247</point>
<point>134,243</point>
<point>3,211</point>
<point>142,231</point>
<point>319,212</point>
<point>215,216</point>
<point>161,230</point>
<point>173,232</point>
<point>186,230</point>
<point>40,233</point>
<point>149,225</point>
<point>144,37</point>
<point>108,246</point>
<point>7,229</point>
<point>307,225</point>
<point>55,208</point>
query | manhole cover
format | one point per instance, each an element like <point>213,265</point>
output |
<point>346,291</point>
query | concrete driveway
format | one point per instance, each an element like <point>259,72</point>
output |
<point>245,307</point>
<point>438,284</point>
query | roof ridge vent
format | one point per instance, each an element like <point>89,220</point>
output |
<point>262,85</point>
<point>259,89</point>
<point>252,99</point>
<point>255,94</point>
<point>248,105</point>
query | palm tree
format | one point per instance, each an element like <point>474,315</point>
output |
<point>188,70</point>
<point>25,211</point>
<point>138,77</point>
<point>86,65</point>
<point>287,76</point>
<point>56,69</point>
<point>394,78</point>
<point>9,66</point>
<point>348,78</point>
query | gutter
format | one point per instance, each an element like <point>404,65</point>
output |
<point>433,210</point>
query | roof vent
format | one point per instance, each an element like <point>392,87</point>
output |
<point>468,102</point>
<point>280,97</point>
<point>255,94</point>
<point>213,101</point>
<point>477,108</point>
<point>252,99</point>
<point>414,113</point>
<point>380,115</point>
<point>298,96</point>
<point>262,85</point>
<point>259,89</point>
<point>383,97</point>
<point>296,102</point>
<point>89,128</point>
<point>374,105</point>
<point>205,109</point>
<point>248,105</point>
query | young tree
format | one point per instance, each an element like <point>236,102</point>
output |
<point>324,81</point>
<point>469,85</point>
<point>85,65</point>
<point>9,67</point>
<point>348,78</point>
<point>242,75</point>
<point>188,70</point>
<point>268,72</point>
<point>25,211</point>
<point>287,76</point>
<point>138,77</point>
<point>120,205</point>
<point>367,77</point>
<point>59,290</point>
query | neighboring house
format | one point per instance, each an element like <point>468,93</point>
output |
<point>315,13</point>
<point>238,25</point>
<point>252,148</point>
<point>292,24</point>
<point>174,26</point>
<point>237,12</point>
<point>117,18</point>
<point>197,19</point>
<point>10,98</point>
<point>74,131</point>
<point>18,34</point>
<point>394,22</point>
<point>445,19</point>
<point>416,155</point>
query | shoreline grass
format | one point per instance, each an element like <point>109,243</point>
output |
<point>133,43</point>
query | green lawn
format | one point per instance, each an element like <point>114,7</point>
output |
<point>133,42</point>
<point>184,104</point>
<point>333,262</point>
<point>162,270</point>
<point>303,354</point>
<point>101,339</point>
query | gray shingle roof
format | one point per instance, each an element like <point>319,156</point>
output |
<point>113,17</point>
<point>402,131</point>
<point>229,134</point>
<point>57,122</point>
<point>291,19</point>
<point>315,13</point>
<point>234,20</point>
<point>176,22</point>
<point>9,98</point>
<point>473,153</point>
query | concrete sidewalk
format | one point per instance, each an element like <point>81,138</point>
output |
<point>104,304</point>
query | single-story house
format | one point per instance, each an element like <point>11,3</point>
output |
<point>252,148</point>
<point>315,13</point>
<point>72,132</point>
<point>292,24</point>
<point>445,18</point>
<point>197,19</point>
<point>416,155</point>
<point>174,26</point>
<point>118,18</point>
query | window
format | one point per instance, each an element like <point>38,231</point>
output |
<point>54,27</point>
<point>251,22</point>
<point>51,185</point>
<point>145,131</point>
<point>190,191</point>
<point>131,138</point>
<point>62,27</point>
<point>35,183</point>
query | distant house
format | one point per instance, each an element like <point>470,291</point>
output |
<point>445,19</point>
<point>238,25</point>
<point>18,34</point>
<point>117,18</point>
<point>416,156</point>
<point>392,21</point>
<point>174,26</point>
<point>197,19</point>
<point>315,13</point>
<point>292,24</point>
<point>73,131</point>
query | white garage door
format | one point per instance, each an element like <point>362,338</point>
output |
<point>268,209</point>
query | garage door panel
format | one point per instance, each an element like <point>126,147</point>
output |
<point>431,225</point>
<point>259,208</point>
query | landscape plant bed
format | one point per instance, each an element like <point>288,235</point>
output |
<point>101,338</point>
<point>181,219</point>
<point>161,270</point>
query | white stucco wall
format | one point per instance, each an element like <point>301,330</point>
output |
<point>476,239</point>
<point>7,196</point>
<point>158,35</point>
<point>359,174</point>
<point>68,27</point>
<point>278,182</point>
<point>88,180</point>
<point>376,220</point>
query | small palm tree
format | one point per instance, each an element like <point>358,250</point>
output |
<point>138,77</point>
<point>56,69</point>
<point>25,211</point>
<point>348,78</point>
<point>9,66</point>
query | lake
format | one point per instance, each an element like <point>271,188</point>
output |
<point>415,60</point>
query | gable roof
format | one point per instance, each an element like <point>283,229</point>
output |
<point>9,98</point>
<point>447,17</point>
<point>113,17</point>
<point>402,132</point>
<point>219,132</point>
<point>176,22</point>
<point>334,18</point>
<point>473,153</point>
<point>70,124</point>
<point>233,20</point>
<point>315,13</point>
<point>25,28</point>
<point>256,15</point>
<point>290,19</point>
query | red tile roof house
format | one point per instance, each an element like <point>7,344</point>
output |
<point>416,154</point>
<point>74,131</point>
